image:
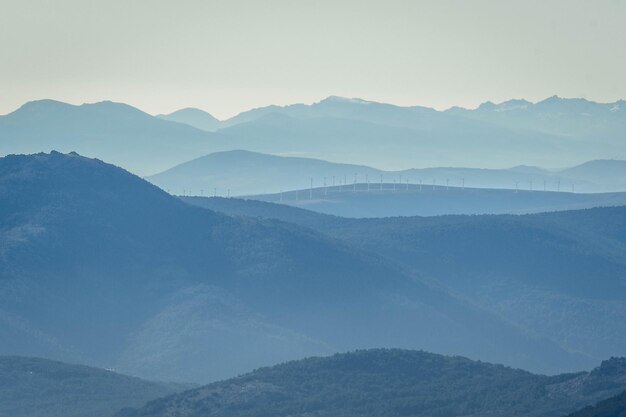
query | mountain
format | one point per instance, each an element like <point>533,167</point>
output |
<point>115,132</point>
<point>558,275</point>
<point>392,383</point>
<point>99,266</point>
<point>193,117</point>
<point>394,199</point>
<point>612,407</point>
<point>33,387</point>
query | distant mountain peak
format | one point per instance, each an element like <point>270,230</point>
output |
<point>190,111</point>
<point>194,117</point>
<point>338,99</point>
<point>487,105</point>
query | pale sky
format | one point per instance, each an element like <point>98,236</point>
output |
<point>232,55</point>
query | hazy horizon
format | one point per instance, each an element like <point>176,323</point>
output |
<point>227,57</point>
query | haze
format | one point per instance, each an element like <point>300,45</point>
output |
<point>229,56</point>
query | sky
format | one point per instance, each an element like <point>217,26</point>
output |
<point>229,56</point>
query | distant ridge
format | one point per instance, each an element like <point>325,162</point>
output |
<point>250,173</point>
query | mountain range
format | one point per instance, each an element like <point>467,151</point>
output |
<point>393,137</point>
<point>335,129</point>
<point>101,267</point>
<point>114,132</point>
<point>392,383</point>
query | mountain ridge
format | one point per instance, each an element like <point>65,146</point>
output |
<point>391,382</point>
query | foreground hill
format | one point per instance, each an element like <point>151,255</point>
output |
<point>32,387</point>
<point>560,275</point>
<point>392,383</point>
<point>100,266</point>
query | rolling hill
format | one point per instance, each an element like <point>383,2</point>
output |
<point>392,383</point>
<point>34,387</point>
<point>559,275</point>
<point>101,267</point>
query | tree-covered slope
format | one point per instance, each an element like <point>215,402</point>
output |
<point>100,266</point>
<point>558,274</point>
<point>611,407</point>
<point>33,387</point>
<point>392,383</point>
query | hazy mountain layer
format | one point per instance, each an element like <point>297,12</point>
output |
<point>110,131</point>
<point>246,173</point>
<point>335,129</point>
<point>392,383</point>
